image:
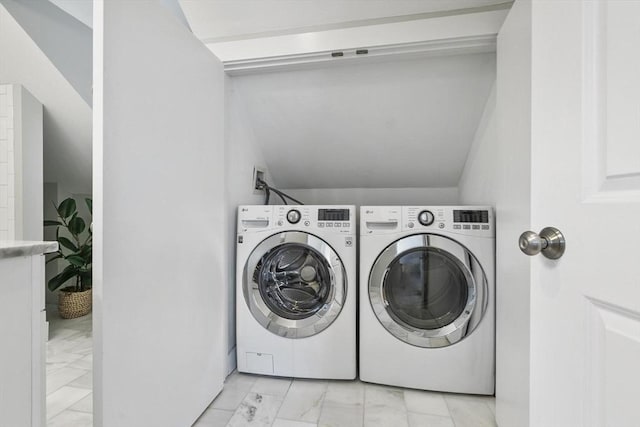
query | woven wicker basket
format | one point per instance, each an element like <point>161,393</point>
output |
<point>74,304</point>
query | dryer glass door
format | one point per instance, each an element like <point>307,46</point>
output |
<point>294,284</point>
<point>428,290</point>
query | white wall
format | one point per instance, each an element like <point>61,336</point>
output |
<point>7,176</point>
<point>372,196</point>
<point>159,219</point>
<point>20,164</point>
<point>479,183</point>
<point>29,136</point>
<point>498,172</point>
<point>50,197</point>
<point>242,153</point>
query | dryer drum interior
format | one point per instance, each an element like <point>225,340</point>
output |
<point>294,284</point>
<point>428,290</point>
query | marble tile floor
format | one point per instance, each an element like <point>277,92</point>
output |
<point>69,371</point>
<point>254,400</point>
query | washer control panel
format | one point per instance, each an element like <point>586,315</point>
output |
<point>293,216</point>
<point>327,219</point>
<point>426,218</point>
<point>335,219</point>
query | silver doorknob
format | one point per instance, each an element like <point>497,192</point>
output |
<point>550,242</point>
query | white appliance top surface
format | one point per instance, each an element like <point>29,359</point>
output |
<point>323,219</point>
<point>464,220</point>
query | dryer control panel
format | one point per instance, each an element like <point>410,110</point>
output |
<point>471,220</point>
<point>476,220</point>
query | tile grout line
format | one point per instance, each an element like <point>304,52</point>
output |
<point>446,402</point>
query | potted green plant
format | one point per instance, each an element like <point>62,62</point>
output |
<point>76,250</point>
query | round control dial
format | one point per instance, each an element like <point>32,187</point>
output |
<point>425,218</point>
<point>293,216</point>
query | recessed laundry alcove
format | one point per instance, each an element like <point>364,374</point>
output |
<point>343,130</point>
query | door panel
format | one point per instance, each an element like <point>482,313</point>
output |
<point>585,307</point>
<point>611,101</point>
<point>614,349</point>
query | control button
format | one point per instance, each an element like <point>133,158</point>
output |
<point>425,218</point>
<point>293,216</point>
<point>346,224</point>
<point>466,227</point>
<point>348,241</point>
<point>337,224</point>
<point>307,223</point>
<point>485,226</point>
<point>441,225</point>
<point>280,222</point>
<point>321,225</point>
<point>329,224</point>
<point>475,227</point>
<point>457,226</point>
<point>410,225</point>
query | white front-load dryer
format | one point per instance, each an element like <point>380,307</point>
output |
<point>427,292</point>
<point>296,291</point>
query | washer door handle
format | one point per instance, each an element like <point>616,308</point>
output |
<point>550,242</point>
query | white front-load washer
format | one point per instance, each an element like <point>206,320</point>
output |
<point>296,291</point>
<point>427,292</point>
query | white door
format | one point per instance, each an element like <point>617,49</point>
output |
<point>585,306</point>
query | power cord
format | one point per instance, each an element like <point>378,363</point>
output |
<point>268,189</point>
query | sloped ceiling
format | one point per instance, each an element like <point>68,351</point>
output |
<point>398,124</point>
<point>66,41</point>
<point>67,116</point>
<point>80,10</point>
<point>225,20</point>
<point>385,124</point>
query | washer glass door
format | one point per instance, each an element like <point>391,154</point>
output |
<point>428,290</point>
<point>294,284</point>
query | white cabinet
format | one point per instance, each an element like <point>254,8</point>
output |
<point>22,333</point>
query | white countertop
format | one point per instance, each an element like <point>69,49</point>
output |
<point>18,248</point>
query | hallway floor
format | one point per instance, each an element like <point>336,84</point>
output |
<point>69,371</point>
<point>254,400</point>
